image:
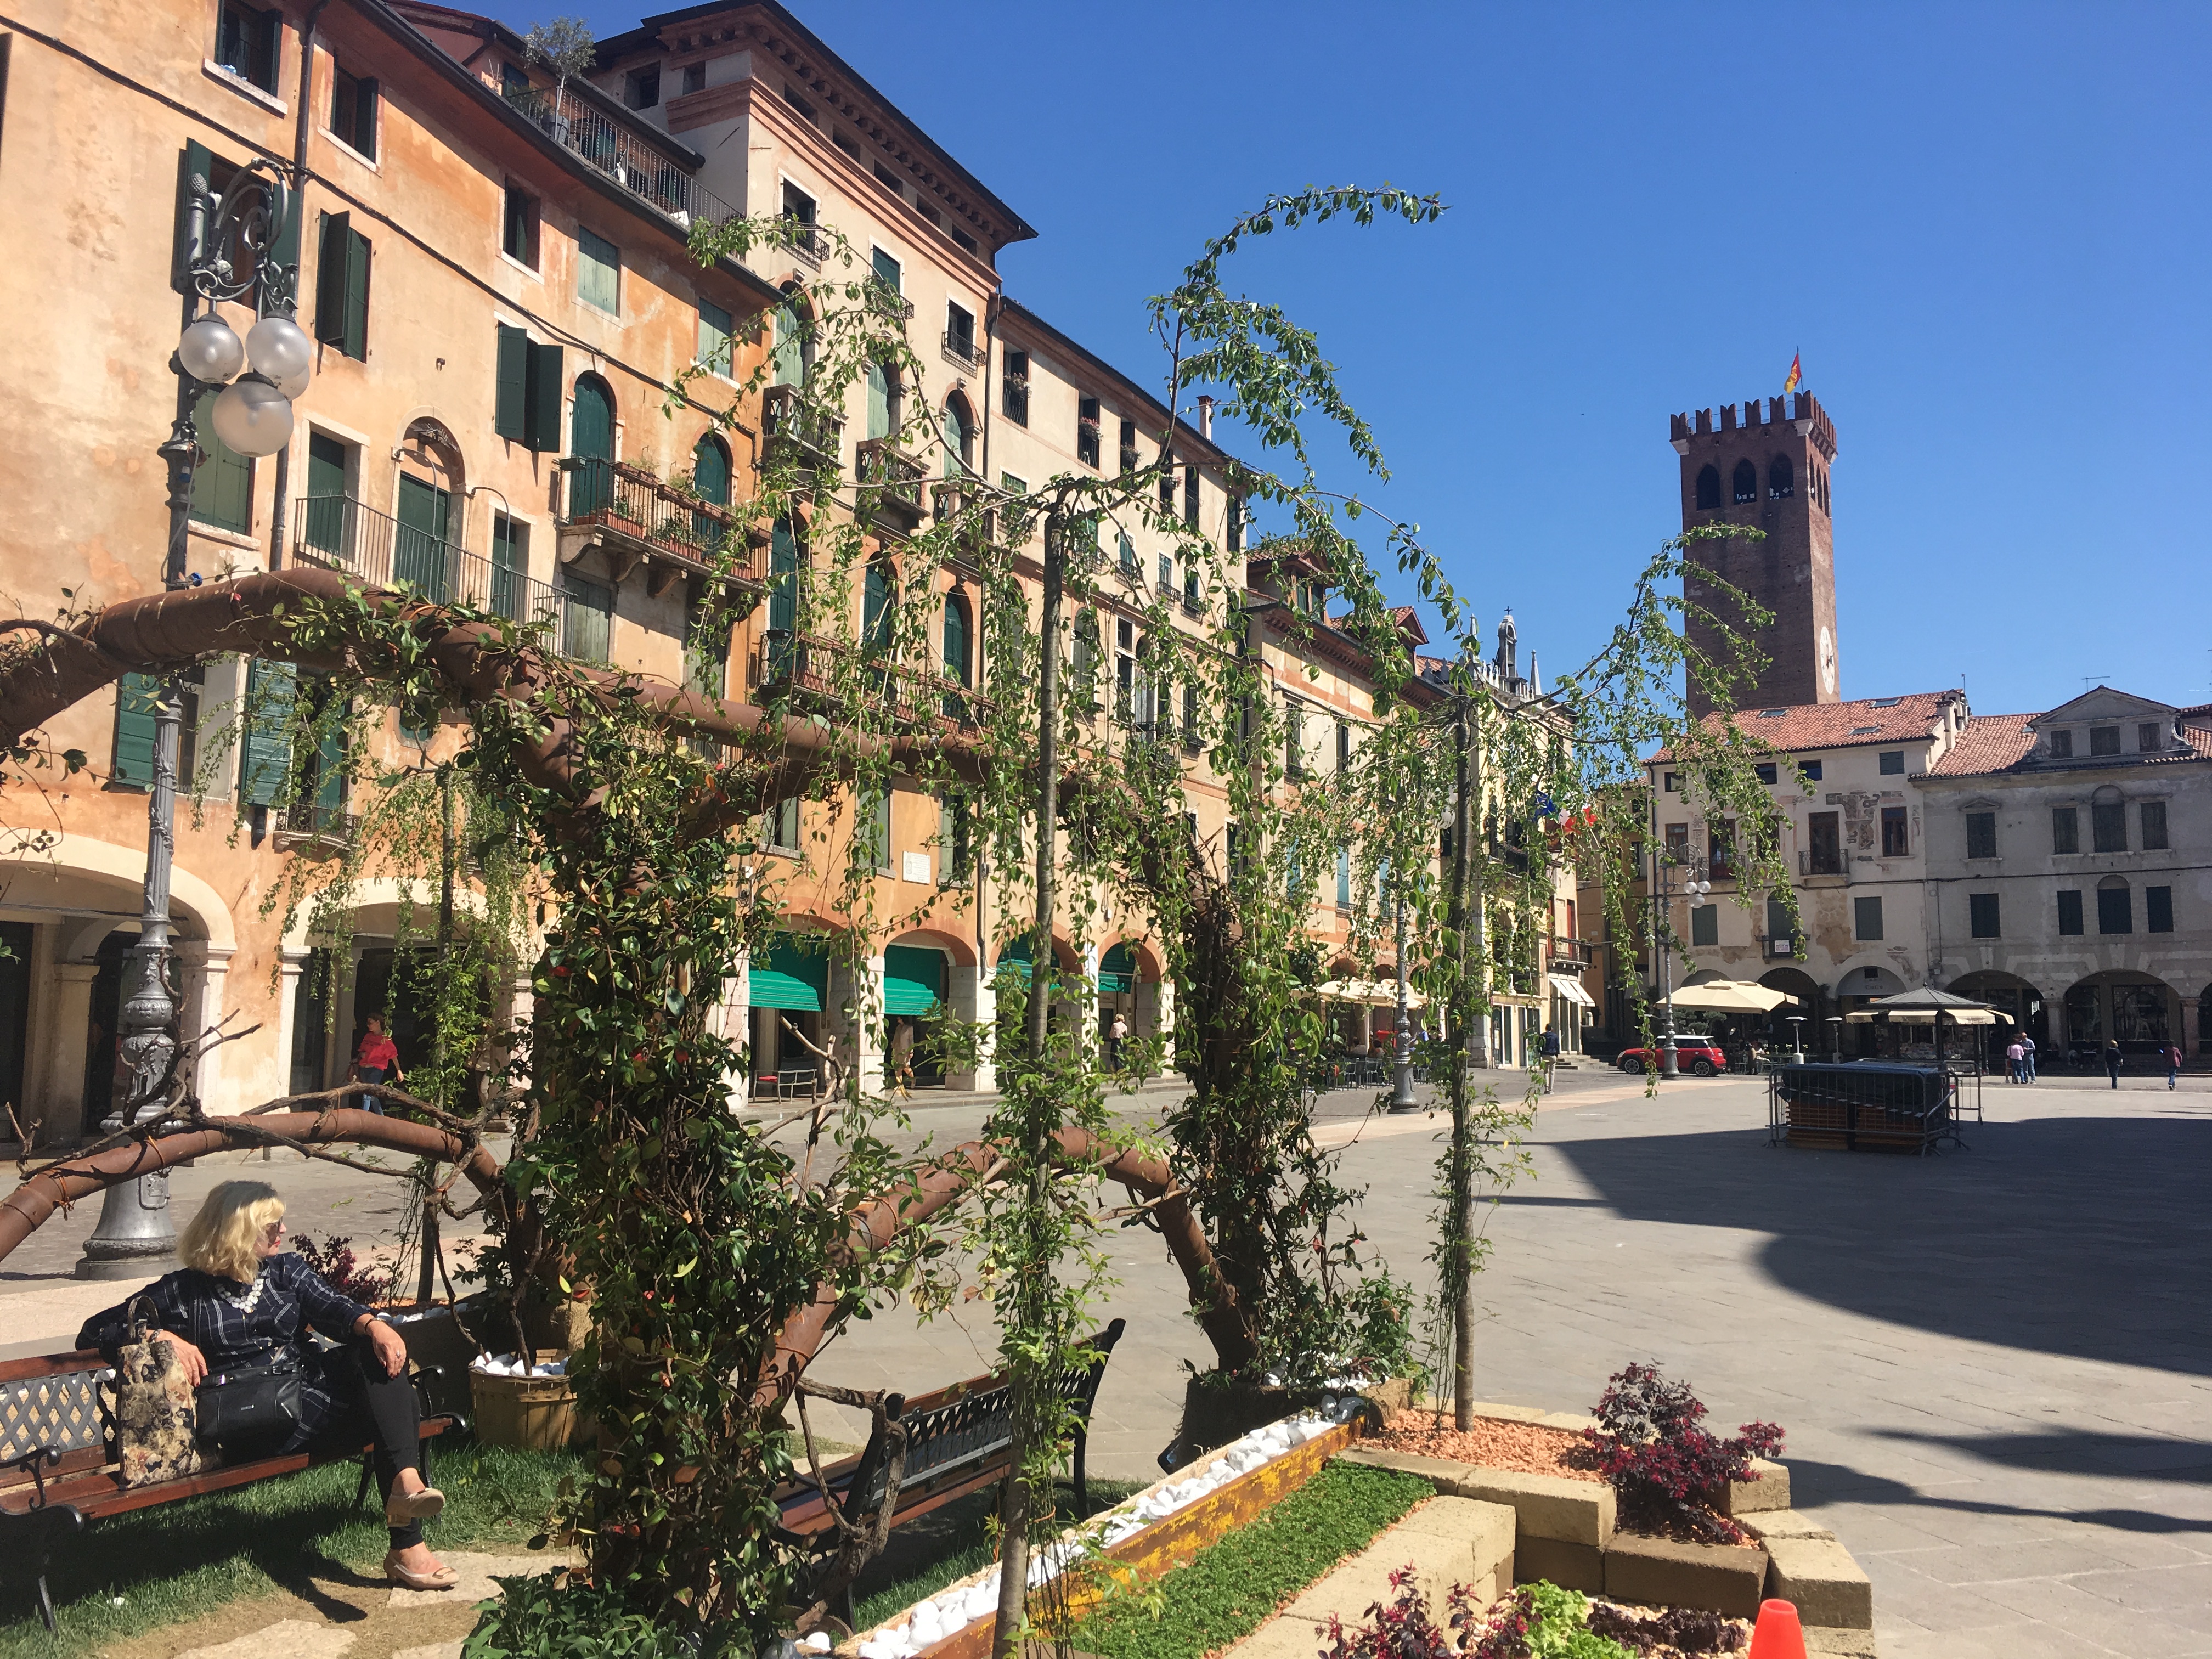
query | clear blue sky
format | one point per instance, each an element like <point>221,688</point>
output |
<point>1986,227</point>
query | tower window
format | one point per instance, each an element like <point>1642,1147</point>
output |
<point>1780,484</point>
<point>1708,487</point>
<point>1746,483</point>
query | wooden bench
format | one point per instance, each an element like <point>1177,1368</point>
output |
<point>59,1464</point>
<point>959,1440</point>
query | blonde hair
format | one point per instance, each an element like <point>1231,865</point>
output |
<point>221,1239</point>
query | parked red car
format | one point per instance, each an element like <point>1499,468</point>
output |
<point>1691,1054</point>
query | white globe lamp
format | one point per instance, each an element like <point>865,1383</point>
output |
<point>280,348</point>
<point>210,353</point>
<point>253,417</point>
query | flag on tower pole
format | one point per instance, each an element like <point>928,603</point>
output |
<point>1796,371</point>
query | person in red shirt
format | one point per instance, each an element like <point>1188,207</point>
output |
<point>376,1061</point>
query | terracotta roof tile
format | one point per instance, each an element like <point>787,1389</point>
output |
<point>1991,742</point>
<point>1807,726</point>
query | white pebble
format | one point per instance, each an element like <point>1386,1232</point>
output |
<point>815,1642</point>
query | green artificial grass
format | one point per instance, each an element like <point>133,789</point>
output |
<point>1234,1586</point>
<point>179,1561</point>
<point>924,1556</point>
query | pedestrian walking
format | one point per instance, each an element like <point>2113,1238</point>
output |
<point>376,1061</point>
<point>2015,1057</point>
<point>1551,1054</point>
<point>1116,1035</point>
<point>2172,1057</point>
<point>2026,1058</point>
<point>2113,1061</point>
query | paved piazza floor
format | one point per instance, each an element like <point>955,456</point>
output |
<point>1992,1365</point>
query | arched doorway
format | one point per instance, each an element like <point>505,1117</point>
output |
<point>1855,988</point>
<point>591,440</point>
<point>2137,1010</point>
<point>1810,1010</point>
<point>916,980</point>
<point>429,479</point>
<point>787,989</point>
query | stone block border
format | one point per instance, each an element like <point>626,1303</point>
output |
<point>1565,1531</point>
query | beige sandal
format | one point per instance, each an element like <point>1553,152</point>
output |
<point>443,1578</point>
<point>403,1509</point>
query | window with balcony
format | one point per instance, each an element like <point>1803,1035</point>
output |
<point>517,236</point>
<point>1294,741</point>
<point>341,286</point>
<point>1720,847</point>
<point>510,569</point>
<point>1824,844</point>
<point>1981,835</point>
<point>2103,740</point>
<point>1014,388</point>
<point>599,272</point>
<point>2069,911</point>
<point>2065,829</point>
<point>1678,843</point>
<point>1128,445</point>
<point>1866,918</point>
<point>352,111</point>
<point>1086,430</point>
<point>960,333</point>
<point>248,42</point>
<point>1896,838</point>
<point>890,279</point>
<point>2154,826</point>
<point>1982,915</point>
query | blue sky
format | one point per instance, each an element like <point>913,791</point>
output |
<point>1985,227</point>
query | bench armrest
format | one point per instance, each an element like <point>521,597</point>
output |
<point>35,1462</point>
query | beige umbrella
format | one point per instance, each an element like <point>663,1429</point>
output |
<point>1731,996</point>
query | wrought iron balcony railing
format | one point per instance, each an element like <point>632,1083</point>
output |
<point>340,531</point>
<point>630,502</point>
<point>654,177</point>
<point>1569,953</point>
<point>812,432</point>
<point>831,670</point>
<point>965,350</point>
<point>893,479</point>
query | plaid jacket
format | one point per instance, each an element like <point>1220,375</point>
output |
<point>235,1325</point>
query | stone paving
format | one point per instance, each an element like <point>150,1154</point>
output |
<point>1992,1364</point>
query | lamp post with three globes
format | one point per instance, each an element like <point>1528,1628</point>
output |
<point>232,250</point>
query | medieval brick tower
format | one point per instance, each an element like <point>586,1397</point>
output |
<point>1767,469</point>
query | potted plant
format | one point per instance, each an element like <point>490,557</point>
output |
<point>564,49</point>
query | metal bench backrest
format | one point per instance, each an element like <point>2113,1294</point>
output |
<point>64,1401</point>
<point>947,1436</point>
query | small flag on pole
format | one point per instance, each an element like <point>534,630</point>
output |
<point>1796,371</point>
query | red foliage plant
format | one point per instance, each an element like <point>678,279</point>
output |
<point>1405,1628</point>
<point>341,1270</point>
<point>1665,1470</point>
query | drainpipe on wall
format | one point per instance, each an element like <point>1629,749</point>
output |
<point>283,486</point>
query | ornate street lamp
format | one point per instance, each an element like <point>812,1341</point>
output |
<point>231,248</point>
<point>1694,890</point>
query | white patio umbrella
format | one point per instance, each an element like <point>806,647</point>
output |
<point>1731,996</point>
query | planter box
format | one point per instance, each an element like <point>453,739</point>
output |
<point>531,1413</point>
<point>1819,1575</point>
<point>1769,1493</point>
<point>1728,1578</point>
<point>1547,1505</point>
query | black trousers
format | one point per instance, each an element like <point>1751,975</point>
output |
<point>385,1411</point>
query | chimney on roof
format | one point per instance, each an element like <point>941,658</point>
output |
<point>1205,416</point>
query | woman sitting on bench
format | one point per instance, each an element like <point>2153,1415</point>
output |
<point>243,1303</point>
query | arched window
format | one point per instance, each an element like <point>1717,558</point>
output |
<point>794,344</point>
<point>958,654</point>
<point>959,437</point>
<point>591,440</point>
<point>880,595</point>
<point>1708,487</point>
<point>1781,482</point>
<point>1746,483</point>
<point>782,598</point>
<point>710,470</point>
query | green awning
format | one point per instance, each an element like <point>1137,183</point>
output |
<point>791,978</point>
<point>913,979</point>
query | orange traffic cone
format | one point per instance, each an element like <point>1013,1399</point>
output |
<point>1777,1635</point>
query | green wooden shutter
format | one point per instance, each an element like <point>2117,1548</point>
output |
<point>710,470</point>
<point>136,698</point>
<point>222,483</point>
<point>879,401</point>
<point>195,158</point>
<point>271,53</point>
<point>332,234</point>
<point>355,343</point>
<point>790,347</point>
<point>364,116</point>
<point>887,270</point>
<point>418,545</point>
<point>271,688</point>
<point>511,396</point>
<point>541,422</point>
<point>326,504</point>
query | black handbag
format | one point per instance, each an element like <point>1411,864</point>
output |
<point>250,1410</point>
